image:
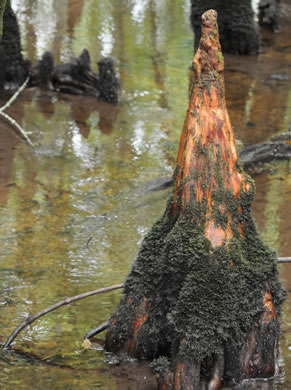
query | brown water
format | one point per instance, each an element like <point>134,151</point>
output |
<point>74,210</point>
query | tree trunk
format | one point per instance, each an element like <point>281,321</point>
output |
<point>237,29</point>
<point>13,68</point>
<point>203,297</point>
<point>269,13</point>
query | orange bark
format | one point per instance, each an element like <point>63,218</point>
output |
<point>191,299</point>
<point>141,316</point>
<point>207,125</point>
<point>269,313</point>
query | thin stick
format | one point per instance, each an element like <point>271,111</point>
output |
<point>11,120</point>
<point>64,302</point>
<point>88,242</point>
<point>19,128</point>
<point>99,329</point>
<point>15,95</point>
<point>284,259</point>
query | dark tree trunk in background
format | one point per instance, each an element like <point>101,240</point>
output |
<point>203,297</point>
<point>13,68</point>
<point>269,13</point>
<point>237,29</point>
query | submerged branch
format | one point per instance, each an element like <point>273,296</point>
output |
<point>98,329</point>
<point>64,302</point>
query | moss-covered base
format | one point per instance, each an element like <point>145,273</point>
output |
<point>186,300</point>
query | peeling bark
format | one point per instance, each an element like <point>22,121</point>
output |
<point>203,298</point>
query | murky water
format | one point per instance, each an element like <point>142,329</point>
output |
<point>74,210</point>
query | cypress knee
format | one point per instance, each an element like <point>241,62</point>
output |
<point>203,297</point>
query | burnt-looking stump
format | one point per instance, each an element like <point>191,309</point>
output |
<point>203,297</point>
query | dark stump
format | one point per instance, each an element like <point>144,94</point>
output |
<point>76,77</point>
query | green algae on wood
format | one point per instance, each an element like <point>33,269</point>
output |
<point>203,298</point>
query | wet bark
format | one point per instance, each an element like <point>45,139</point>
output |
<point>13,68</point>
<point>237,29</point>
<point>203,297</point>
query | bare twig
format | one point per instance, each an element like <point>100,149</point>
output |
<point>64,302</point>
<point>11,120</point>
<point>99,329</point>
<point>88,242</point>
<point>19,128</point>
<point>15,95</point>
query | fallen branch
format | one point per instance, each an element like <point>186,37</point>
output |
<point>64,302</point>
<point>11,120</point>
<point>284,259</point>
<point>15,95</point>
<point>75,298</point>
<point>99,329</point>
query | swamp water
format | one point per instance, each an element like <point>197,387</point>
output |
<point>74,210</point>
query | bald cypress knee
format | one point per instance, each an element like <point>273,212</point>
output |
<point>203,297</point>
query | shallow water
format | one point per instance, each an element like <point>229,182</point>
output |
<point>74,210</point>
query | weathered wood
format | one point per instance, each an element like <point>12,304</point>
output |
<point>268,151</point>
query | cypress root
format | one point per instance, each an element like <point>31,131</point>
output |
<point>203,297</point>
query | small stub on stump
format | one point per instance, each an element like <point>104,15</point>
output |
<point>203,297</point>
